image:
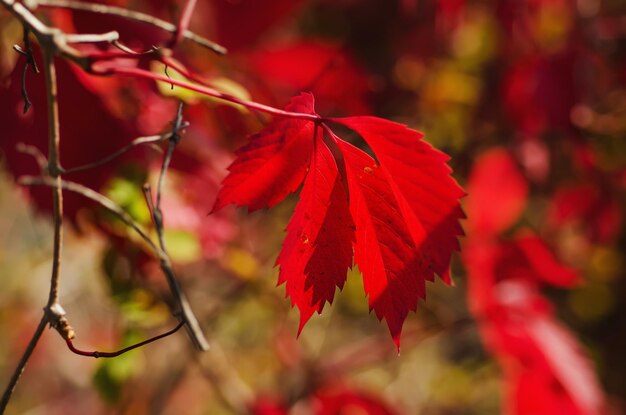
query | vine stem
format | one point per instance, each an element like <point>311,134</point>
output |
<point>98,354</point>
<point>205,90</point>
<point>183,23</point>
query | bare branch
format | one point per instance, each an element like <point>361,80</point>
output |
<point>107,37</point>
<point>173,141</point>
<point>52,40</point>
<point>8,392</point>
<point>135,143</point>
<point>193,327</point>
<point>53,312</point>
<point>185,312</point>
<point>130,15</point>
<point>54,172</point>
<point>30,61</point>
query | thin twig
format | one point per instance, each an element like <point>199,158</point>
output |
<point>96,197</point>
<point>173,141</point>
<point>108,37</point>
<point>30,61</point>
<point>135,143</point>
<point>27,102</point>
<point>98,354</point>
<point>6,396</point>
<point>193,327</point>
<point>186,313</point>
<point>55,174</point>
<point>130,15</point>
<point>51,39</point>
<point>29,50</point>
<point>129,51</point>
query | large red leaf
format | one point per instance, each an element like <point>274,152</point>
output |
<point>421,180</point>
<point>317,251</point>
<point>273,163</point>
<point>402,219</point>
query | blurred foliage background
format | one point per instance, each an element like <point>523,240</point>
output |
<point>542,80</point>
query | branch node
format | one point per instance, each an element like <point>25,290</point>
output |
<point>57,320</point>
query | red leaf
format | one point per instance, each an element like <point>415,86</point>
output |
<point>322,67</point>
<point>273,163</point>
<point>405,210</point>
<point>317,251</point>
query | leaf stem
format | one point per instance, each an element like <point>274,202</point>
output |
<point>183,23</point>
<point>98,354</point>
<point>205,90</point>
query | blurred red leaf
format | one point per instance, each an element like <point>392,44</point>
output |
<point>539,91</point>
<point>328,400</point>
<point>268,406</point>
<point>545,369</point>
<point>341,400</point>
<point>497,193</point>
<point>323,68</point>
<point>529,256</point>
